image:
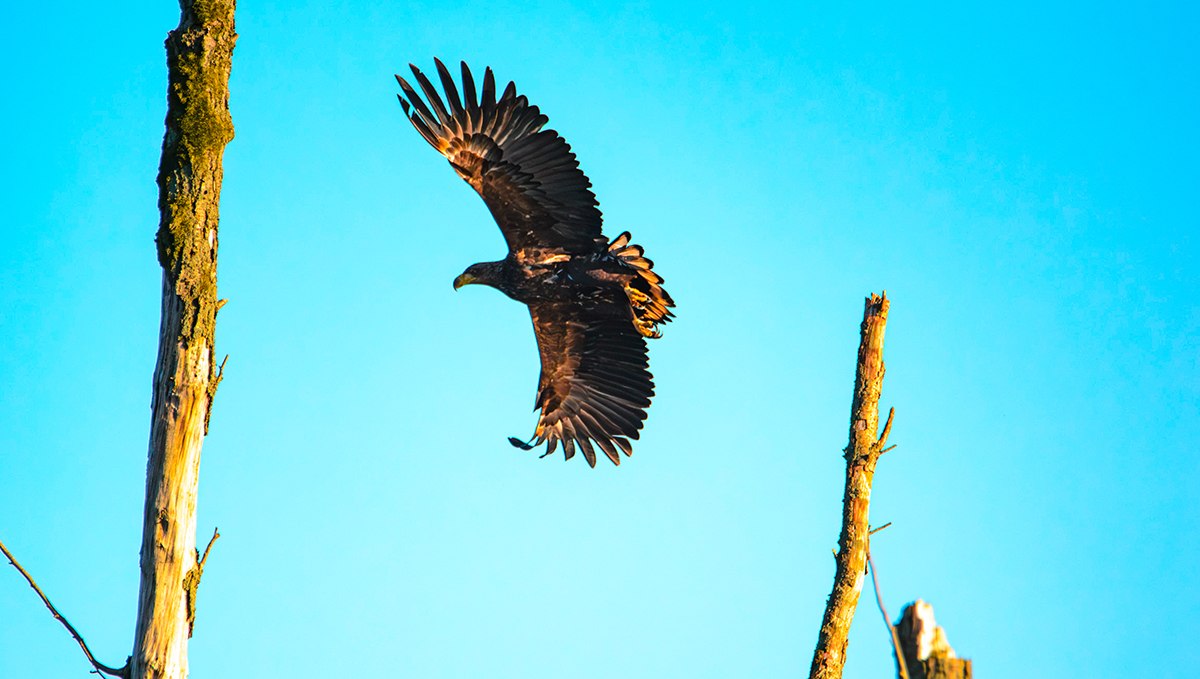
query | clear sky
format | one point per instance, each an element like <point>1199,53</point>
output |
<point>1022,179</point>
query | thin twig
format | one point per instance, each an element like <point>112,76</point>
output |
<point>217,534</point>
<point>887,428</point>
<point>100,667</point>
<point>876,530</point>
<point>212,391</point>
<point>191,582</point>
<point>900,666</point>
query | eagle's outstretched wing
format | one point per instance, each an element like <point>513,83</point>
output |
<point>528,176</point>
<point>594,386</point>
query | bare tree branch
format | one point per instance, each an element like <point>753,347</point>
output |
<point>190,174</point>
<point>191,582</point>
<point>861,455</point>
<point>887,429</point>
<point>100,667</point>
<point>217,534</point>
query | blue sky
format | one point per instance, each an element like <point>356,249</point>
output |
<point>1020,178</point>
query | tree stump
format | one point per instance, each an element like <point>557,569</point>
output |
<point>927,653</point>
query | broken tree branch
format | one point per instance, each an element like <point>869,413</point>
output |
<point>861,455</point>
<point>100,667</point>
<point>212,385</point>
<point>887,429</point>
<point>191,582</point>
<point>198,126</point>
<point>927,653</point>
<point>204,559</point>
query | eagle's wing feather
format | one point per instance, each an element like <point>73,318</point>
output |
<point>595,386</point>
<point>527,175</point>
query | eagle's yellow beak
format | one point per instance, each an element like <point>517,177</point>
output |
<point>465,279</point>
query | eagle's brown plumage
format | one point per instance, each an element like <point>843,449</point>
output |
<point>593,301</point>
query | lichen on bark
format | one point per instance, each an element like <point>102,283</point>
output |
<point>198,126</point>
<point>199,58</point>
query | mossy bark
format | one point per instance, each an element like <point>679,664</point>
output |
<point>861,454</point>
<point>198,126</point>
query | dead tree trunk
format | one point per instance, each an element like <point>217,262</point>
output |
<point>861,454</point>
<point>927,653</point>
<point>199,54</point>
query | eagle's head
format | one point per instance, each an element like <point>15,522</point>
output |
<point>484,273</point>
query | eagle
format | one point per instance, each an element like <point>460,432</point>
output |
<point>594,301</point>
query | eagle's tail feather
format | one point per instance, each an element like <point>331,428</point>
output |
<point>650,302</point>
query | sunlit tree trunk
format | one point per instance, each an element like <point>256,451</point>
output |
<point>198,125</point>
<point>862,454</point>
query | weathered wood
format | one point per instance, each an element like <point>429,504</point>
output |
<point>927,653</point>
<point>861,455</point>
<point>198,126</point>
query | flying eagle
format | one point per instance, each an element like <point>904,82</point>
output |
<point>594,302</point>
